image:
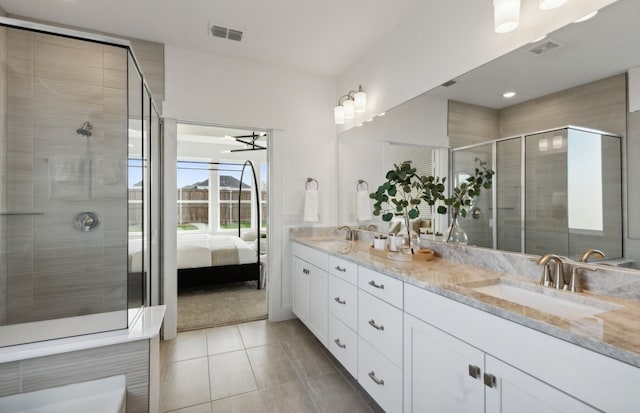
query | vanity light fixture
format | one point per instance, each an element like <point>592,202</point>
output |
<point>508,95</point>
<point>348,105</point>
<point>550,4</point>
<point>587,17</point>
<point>506,15</point>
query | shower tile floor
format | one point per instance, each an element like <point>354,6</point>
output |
<point>257,366</point>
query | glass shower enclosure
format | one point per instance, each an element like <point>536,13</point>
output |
<point>556,191</point>
<point>76,127</point>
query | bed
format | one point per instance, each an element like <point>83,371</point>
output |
<point>204,259</point>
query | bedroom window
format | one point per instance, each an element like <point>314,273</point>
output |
<point>193,196</point>
<point>229,184</point>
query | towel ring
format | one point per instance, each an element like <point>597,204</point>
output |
<point>360,183</point>
<point>309,180</point>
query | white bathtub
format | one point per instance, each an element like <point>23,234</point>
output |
<point>97,396</point>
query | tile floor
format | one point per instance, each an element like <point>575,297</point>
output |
<point>258,366</point>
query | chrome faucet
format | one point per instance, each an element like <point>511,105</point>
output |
<point>558,278</point>
<point>588,253</point>
<point>350,235</point>
<point>371,227</point>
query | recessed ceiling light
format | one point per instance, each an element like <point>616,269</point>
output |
<point>358,125</point>
<point>508,95</point>
<point>382,114</point>
<point>587,17</point>
<point>369,120</point>
<point>550,4</point>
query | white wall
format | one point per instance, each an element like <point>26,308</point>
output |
<point>299,110</point>
<point>442,40</point>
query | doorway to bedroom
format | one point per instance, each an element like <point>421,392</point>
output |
<point>222,215</point>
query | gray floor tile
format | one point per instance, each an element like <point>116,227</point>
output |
<point>331,393</point>
<point>187,345</point>
<point>271,365</point>
<point>186,384</point>
<point>291,330</point>
<point>230,374</point>
<point>243,403</point>
<point>201,408</point>
<point>258,333</point>
<point>307,358</point>
<point>291,397</point>
<point>224,339</point>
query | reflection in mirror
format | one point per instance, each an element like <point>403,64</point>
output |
<point>423,159</point>
<point>570,188</point>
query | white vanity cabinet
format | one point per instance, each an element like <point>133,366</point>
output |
<point>509,367</point>
<point>343,313</point>
<point>311,289</point>
<point>380,338</point>
<point>444,374</point>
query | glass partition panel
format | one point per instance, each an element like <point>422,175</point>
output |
<point>136,188</point>
<point>508,184</point>
<point>546,220</point>
<point>479,221</point>
<point>63,243</point>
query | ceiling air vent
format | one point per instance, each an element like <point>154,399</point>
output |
<point>217,31</point>
<point>235,35</point>
<point>224,33</point>
<point>545,47</point>
<point>449,83</point>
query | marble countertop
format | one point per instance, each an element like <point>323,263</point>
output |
<point>614,333</point>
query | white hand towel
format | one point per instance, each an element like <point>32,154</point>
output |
<point>311,205</point>
<point>363,210</point>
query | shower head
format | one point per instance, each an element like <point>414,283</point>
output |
<point>480,161</point>
<point>85,129</point>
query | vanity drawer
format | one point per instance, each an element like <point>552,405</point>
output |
<point>344,269</point>
<point>312,256</point>
<point>343,301</point>
<point>343,344</point>
<point>380,285</point>
<point>379,377</point>
<point>381,325</point>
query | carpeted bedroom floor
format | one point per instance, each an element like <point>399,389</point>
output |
<point>217,305</point>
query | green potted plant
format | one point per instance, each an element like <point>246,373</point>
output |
<point>404,190</point>
<point>462,198</point>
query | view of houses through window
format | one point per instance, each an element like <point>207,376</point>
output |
<point>210,196</point>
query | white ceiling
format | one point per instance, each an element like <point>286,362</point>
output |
<point>320,37</point>
<point>601,47</point>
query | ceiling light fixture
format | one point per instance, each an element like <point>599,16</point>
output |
<point>550,4</point>
<point>348,105</point>
<point>587,17</point>
<point>506,15</point>
<point>508,95</point>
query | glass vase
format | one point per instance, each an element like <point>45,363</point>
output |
<point>455,234</point>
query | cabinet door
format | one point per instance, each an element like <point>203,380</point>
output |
<point>319,304</point>
<point>301,290</point>
<point>516,391</point>
<point>438,370</point>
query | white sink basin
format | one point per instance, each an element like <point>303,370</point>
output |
<point>559,303</point>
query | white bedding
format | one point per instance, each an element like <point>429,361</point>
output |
<point>202,250</point>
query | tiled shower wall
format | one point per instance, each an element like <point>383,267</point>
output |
<point>54,85</point>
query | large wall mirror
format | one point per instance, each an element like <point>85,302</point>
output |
<point>574,80</point>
